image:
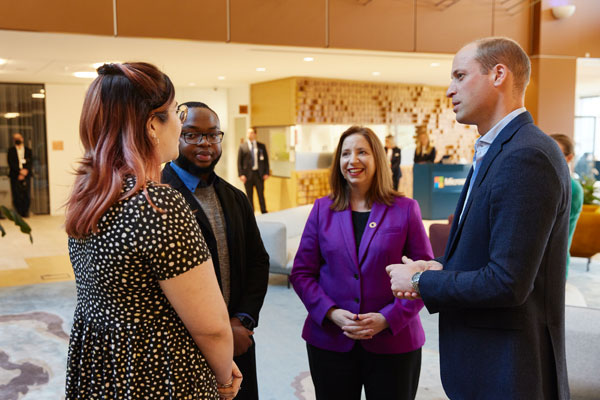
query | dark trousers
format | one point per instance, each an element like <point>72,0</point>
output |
<point>385,376</point>
<point>255,180</point>
<point>21,195</point>
<point>396,179</point>
<point>247,364</point>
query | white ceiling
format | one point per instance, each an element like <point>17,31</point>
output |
<point>52,58</point>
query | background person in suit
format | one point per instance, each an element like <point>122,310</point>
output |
<point>394,156</point>
<point>357,333</point>
<point>19,171</point>
<point>253,168</point>
<point>228,225</point>
<point>501,294</point>
<point>425,151</point>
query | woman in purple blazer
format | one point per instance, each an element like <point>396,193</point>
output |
<point>357,333</point>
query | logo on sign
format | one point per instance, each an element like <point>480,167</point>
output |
<point>439,182</point>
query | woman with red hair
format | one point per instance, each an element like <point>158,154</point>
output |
<point>150,320</point>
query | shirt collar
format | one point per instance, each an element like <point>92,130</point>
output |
<point>191,181</point>
<point>491,135</point>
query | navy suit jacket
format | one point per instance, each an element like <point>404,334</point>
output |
<point>501,295</point>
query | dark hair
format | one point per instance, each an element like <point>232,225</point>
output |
<point>381,190</point>
<point>198,104</point>
<point>113,132</point>
<point>499,50</point>
<point>566,142</point>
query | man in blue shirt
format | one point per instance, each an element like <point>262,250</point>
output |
<point>229,228</point>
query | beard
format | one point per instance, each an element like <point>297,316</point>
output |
<point>195,170</point>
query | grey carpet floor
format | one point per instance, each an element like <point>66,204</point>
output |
<point>35,321</point>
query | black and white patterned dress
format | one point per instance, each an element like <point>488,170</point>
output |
<point>127,342</point>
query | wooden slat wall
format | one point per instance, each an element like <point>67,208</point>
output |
<point>183,19</point>
<point>69,16</point>
<point>378,25</point>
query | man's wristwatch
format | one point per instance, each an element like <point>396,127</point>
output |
<point>415,281</point>
<point>246,321</point>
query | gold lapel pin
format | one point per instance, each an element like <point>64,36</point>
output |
<point>372,224</point>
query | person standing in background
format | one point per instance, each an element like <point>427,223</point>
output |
<point>229,227</point>
<point>568,149</point>
<point>253,168</point>
<point>19,171</point>
<point>425,152</point>
<point>394,156</point>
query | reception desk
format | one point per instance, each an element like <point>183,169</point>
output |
<point>437,187</point>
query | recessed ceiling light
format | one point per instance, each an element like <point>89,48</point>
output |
<point>261,69</point>
<point>192,84</point>
<point>10,115</point>
<point>221,78</point>
<point>435,64</point>
<point>85,74</point>
<point>309,59</point>
<point>38,95</point>
<point>42,90</point>
<point>3,61</point>
<point>376,73</point>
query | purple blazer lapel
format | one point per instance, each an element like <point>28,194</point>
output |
<point>345,223</point>
<point>378,212</point>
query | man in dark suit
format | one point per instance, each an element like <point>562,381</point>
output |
<point>394,156</point>
<point>253,168</point>
<point>501,293</point>
<point>19,171</point>
<point>229,228</point>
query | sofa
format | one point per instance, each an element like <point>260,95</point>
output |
<point>281,232</point>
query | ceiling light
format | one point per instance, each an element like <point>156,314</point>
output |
<point>42,90</point>
<point>309,59</point>
<point>221,78</point>
<point>85,74</point>
<point>261,69</point>
<point>192,84</point>
<point>3,61</point>
<point>38,95</point>
<point>435,64</point>
<point>10,115</point>
<point>376,73</point>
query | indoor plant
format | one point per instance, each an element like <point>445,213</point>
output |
<point>16,218</point>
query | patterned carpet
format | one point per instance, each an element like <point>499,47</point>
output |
<point>35,321</point>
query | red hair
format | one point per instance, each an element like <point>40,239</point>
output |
<point>113,132</point>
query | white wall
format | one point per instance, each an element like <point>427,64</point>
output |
<point>236,96</point>
<point>63,110</point>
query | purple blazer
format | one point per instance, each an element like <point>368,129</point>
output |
<point>328,272</point>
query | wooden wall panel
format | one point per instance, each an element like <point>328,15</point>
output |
<point>446,29</point>
<point>184,19</point>
<point>574,36</point>
<point>273,103</point>
<point>378,25</point>
<point>514,23</point>
<point>278,22</point>
<point>69,16</point>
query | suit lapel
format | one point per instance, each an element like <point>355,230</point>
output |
<point>345,224</point>
<point>378,212</point>
<point>496,147</point>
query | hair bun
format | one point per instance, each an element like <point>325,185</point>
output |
<point>110,69</point>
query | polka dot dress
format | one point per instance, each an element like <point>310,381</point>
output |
<point>127,342</point>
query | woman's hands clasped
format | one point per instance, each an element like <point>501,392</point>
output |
<point>229,390</point>
<point>358,326</point>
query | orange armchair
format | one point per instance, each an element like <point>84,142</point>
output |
<point>586,239</point>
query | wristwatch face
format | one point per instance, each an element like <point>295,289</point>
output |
<point>415,281</point>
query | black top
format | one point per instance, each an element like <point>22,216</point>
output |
<point>359,221</point>
<point>425,157</point>
<point>248,259</point>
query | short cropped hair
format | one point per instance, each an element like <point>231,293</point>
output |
<point>499,50</point>
<point>566,143</point>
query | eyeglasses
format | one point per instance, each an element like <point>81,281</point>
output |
<point>182,112</point>
<point>197,137</point>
